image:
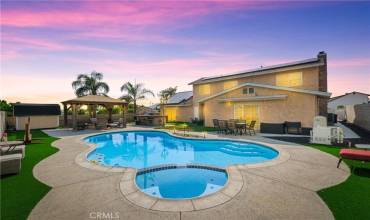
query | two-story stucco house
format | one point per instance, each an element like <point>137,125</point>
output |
<point>294,91</point>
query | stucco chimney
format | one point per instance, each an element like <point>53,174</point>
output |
<point>323,72</point>
<point>323,84</point>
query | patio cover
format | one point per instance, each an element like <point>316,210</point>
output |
<point>103,100</point>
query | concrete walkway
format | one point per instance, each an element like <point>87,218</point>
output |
<point>283,191</point>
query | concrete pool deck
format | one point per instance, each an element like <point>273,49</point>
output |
<point>280,189</point>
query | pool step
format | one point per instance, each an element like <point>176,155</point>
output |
<point>239,148</point>
<point>239,152</point>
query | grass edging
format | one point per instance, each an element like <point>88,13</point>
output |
<point>20,193</point>
<point>351,198</point>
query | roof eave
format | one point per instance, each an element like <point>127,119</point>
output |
<point>258,72</point>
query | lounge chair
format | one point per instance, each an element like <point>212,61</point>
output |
<point>250,128</point>
<point>10,164</point>
<point>13,150</point>
<point>353,154</point>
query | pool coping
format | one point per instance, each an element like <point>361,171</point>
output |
<point>132,193</point>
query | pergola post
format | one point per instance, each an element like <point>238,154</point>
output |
<point>124,113</point>
<point>74,116</point>
<point>65,115</point>
<point>110,109</point>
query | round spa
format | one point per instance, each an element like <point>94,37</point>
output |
<point>181,182</point>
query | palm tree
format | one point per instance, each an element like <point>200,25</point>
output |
<point>90,84</point>
<point>166,94</point>
<point>134,92</point>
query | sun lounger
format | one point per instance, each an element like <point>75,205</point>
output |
<point>10,164</point>
<point>353,154</point>
<point>21,149</point>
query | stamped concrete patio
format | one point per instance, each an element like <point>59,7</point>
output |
<point>281,189</point>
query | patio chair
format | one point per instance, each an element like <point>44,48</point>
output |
<point>223,126</point>
<point>241,126</point>
<point>117,124</point>
<point>250,128</point>
<point>81,125</point>
<point>101,124</point>
<point>20,149</point>
<point>231,126</point>
<point>216,125</point>
<point>10,164</point>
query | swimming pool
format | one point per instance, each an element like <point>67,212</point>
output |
<point>143,149</point>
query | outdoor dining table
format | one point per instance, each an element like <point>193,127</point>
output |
<point>10,144</point>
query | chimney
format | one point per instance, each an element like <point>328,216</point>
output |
<point>323,84</point>
<point>323,72</point>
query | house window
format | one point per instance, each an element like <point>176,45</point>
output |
<point>230,84</point>
<point>248,91</point>
<point>205,89</point>
<point>289,79</point>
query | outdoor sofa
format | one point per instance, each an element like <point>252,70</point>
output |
<point>10,164</point>
<point>21,149</point>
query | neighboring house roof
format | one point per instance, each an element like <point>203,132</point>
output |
<point>350,93</point>
<point>313,92</point>
<point>155,106</point>
<point>263,70</point>
<point>23,109</point>
<point>180,97</point>
<point>91,99</point>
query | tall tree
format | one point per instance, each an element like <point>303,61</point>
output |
<point>166,94</point>
<point>134,92</point>
<point>90,84</point>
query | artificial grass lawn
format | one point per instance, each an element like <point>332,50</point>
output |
<point>350,199</point>
<point>21,192</point>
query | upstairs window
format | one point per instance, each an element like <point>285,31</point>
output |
<point>230,84</point>
<point>289,79</point>
<point>248,91</point>
<point>205,89</point>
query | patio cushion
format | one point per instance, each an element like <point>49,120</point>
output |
<point>353,154</point>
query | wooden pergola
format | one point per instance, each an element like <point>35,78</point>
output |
<point>93,100</point>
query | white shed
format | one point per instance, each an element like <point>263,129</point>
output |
<point>41,115</point>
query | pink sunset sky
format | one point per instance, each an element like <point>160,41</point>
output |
<point>46,44</point>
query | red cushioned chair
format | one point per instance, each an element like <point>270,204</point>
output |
<point>353,154</point>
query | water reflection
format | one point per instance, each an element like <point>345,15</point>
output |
<point>144,149</point>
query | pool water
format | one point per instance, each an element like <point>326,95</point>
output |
<point>181,183</point>
<point>143,149</point>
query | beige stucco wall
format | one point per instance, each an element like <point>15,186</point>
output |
<point>296,107</point>
<point>49,121</point>
<point>310,79</point>
<point>183,113</point>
